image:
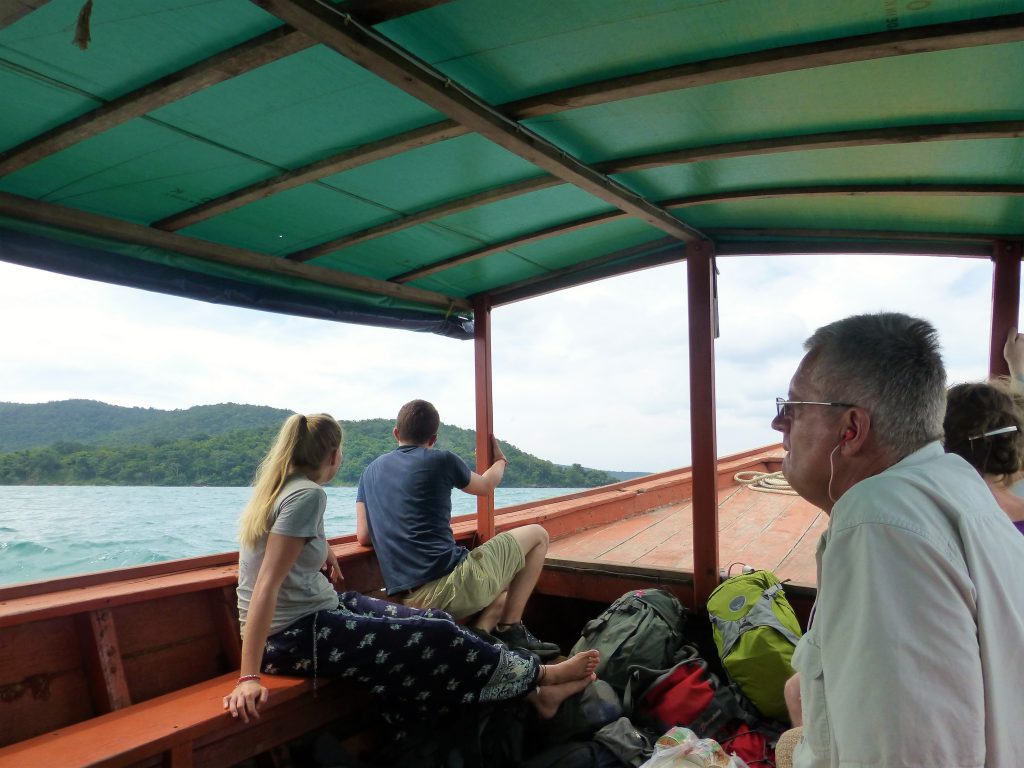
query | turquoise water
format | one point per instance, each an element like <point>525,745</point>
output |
<point>50,531</point>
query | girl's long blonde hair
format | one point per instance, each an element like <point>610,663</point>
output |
<point>302,446</point>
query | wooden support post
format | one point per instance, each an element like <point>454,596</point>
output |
<point>224,606</point>
<point>1005,301</point>
<point>102,653</point>
<point>179,756</point>
<point>701,309</point>
<point>484,412</point>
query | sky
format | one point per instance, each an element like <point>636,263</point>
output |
<point>595,375</point>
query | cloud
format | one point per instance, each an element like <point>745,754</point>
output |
<point>596,375</point>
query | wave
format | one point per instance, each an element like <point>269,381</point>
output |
<point>24,548</point>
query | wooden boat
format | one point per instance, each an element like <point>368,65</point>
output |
<point>416,165</point>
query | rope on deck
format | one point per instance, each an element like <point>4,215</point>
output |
<point>766,482</point>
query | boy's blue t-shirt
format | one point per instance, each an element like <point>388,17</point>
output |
<point>408,498</point>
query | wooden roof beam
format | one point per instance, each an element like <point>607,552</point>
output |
<point>962,242</point>
<point>13,10</point>
<point>992,30</point>
<point>344,161</point>
<point>653,254</point>
<point>771,61</point>
<point>263,49</point>
<point>870,137</point>
<point>381,57</point>
<point>1000,129</point>
<point>268,47</point>
<point>851,190</point>
<point>423,217</point>
<point>507,245</point>
<point>83,222</point>
<point>798,247</point>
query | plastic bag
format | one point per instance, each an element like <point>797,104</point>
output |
<point>680,748</point>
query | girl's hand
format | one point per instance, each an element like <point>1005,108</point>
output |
<point>246,699</point>
<point>332,569</point>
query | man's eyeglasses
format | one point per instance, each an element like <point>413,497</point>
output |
<point>784,407</point>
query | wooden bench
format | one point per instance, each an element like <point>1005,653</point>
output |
<point>187,728</point>
<point>128,668</point>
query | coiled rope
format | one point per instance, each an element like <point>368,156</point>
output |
<point>765,482</point>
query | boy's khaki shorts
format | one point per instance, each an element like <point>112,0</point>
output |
<point>483,574</point>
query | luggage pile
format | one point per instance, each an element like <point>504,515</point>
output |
<point>717,704</point>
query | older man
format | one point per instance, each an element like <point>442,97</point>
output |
<point>913,655</point>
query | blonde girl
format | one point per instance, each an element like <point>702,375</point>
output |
<point>295,623</point>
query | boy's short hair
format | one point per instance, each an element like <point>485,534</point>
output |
<point>418,421</point>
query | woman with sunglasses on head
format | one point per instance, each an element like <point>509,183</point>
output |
<point>983,426</point>
<point>294,623</point>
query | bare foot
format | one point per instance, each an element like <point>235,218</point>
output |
<point>547,699</point>
<point>579,667</point>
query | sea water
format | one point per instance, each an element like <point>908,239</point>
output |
<point>51,531</point>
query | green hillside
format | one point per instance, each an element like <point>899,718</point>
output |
<point>94,423</point>
<point>218,445</point>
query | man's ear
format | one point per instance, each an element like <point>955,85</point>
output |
<point>395,433</point>
<point>856,430</point>
<point>431,441</point>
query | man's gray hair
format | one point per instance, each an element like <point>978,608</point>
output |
<point>890,365</point>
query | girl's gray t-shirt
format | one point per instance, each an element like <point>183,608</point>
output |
<point>299,512</point>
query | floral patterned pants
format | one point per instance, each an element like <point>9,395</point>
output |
<point>422,657</point>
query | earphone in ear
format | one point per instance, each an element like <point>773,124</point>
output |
<point>849,434</point>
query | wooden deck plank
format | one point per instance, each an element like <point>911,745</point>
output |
<point>638,549</point>
<point>775,531</point>
<point>598,542</point>
<point>799,565</point>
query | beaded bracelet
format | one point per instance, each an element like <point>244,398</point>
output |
<point>243,678</point>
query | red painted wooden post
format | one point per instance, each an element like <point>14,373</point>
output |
<point>700,281</point>
<point>1005,301</point>
<point>484,412</point>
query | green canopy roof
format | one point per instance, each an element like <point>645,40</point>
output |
<point>393,162</point>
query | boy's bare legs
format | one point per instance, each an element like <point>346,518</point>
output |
<point>533,540</point>
<point>488,618</point>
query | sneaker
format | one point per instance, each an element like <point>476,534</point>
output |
<point>518,636</point>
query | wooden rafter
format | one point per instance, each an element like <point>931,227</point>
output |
<point>422,217</point>
<point>367,153</point>
<point>13,10</point>
<point>74,220</point>
<point>775,233</point>
<point>507,245</point>
<point>263,49</point>
<point>783,242</point>
<point>906,134</point>
<point>690,75</point>
<point>933,37</point>
<point>975,250</point>
<point>850,190</point>
<point>1000,129</point>
<point>652,254</point>
<point>417,78</point>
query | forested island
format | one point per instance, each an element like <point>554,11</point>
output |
<point>85,442</point>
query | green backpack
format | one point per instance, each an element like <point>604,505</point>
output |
<point>756,631</point>
<point>644,626</point>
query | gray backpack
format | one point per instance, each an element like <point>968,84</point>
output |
<point>643,627</point>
